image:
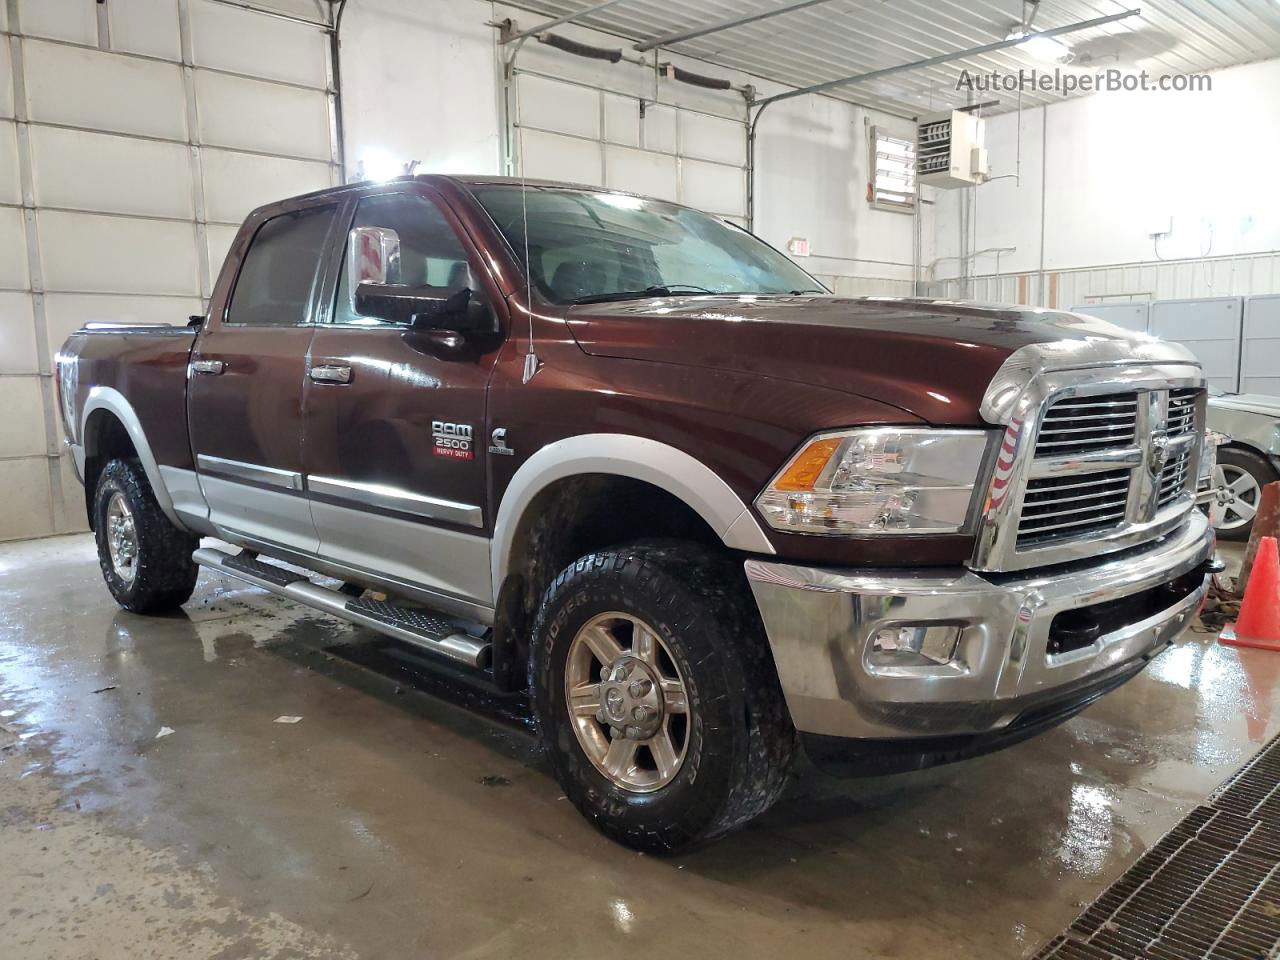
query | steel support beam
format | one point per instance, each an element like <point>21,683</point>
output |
<point>947,57</point>
<point>567,18</point>
<point>680,35</point>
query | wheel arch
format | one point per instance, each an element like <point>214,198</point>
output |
<point>656,464</point>
<point>1247,446</point>
<point>106,419</point>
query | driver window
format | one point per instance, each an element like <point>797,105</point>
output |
<point>430,252</point>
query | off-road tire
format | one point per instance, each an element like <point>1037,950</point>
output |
<point>741,743</point>
<point>166,574</point>
<point>1261,471</point>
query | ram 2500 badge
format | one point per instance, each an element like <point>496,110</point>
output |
<point>628,458</point>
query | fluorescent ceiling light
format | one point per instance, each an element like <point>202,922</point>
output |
<point>1048,49</point>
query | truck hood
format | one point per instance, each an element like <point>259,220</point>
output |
<point>930,358</point>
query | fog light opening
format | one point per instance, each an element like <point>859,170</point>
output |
<point>915,644</point>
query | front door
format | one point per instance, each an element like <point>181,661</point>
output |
<point>395,447</point>
<point>246,384</point>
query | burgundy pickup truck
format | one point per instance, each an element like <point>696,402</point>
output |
<point>627,457</point>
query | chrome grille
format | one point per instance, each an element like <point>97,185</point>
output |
<point>1088,424</point>
<point>1157,402</point>
<point>1182,412</point>
<point>1181,421</point>
<point>1173,478</point>
<point>1093,501</point>
<point>1068,506</point>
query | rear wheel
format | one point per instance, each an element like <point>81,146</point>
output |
<point>145,560</point>
<point>1238,481</point>
<point>656,695</point>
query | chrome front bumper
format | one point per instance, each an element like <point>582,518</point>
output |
<point>821,623</point>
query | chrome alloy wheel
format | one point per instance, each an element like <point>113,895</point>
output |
<point>627,702</point>
<point>1237,493</point>
<point>122,538</point>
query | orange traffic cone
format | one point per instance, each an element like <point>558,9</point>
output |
<point>1259,621</point>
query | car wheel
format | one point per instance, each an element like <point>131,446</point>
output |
<point>145,560</point>
<point>1238,481</point>
<point>656,696</point>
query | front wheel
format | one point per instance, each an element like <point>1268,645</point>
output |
<point>656,695</point>
<point>145,560</point>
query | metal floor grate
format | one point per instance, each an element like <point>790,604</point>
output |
<point>1209,889</point>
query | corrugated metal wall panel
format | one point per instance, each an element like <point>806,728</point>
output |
<point>1251,275</point>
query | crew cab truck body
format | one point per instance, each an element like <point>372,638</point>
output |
<point>627,457</point>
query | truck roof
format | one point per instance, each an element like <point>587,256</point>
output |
<point>465,180</point>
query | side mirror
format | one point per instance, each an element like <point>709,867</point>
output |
<point>373,256</point>
<point>373,279</point>
<point>425,308</point>
<point>461,310</point>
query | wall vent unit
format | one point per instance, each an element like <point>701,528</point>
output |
<point>950,152</point>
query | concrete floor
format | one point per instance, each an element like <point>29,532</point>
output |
<point>375,827</point>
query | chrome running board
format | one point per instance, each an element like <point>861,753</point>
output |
<point>419,628</point>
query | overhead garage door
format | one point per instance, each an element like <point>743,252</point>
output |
<point>571,131</point>
<point>134,138</point>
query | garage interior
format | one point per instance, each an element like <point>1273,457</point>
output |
<point>150,805</point>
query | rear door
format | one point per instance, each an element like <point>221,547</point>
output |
<point>246,383</point>
<point>395,447</point>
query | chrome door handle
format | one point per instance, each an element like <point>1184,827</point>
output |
<point>210,367</point>
<point>331,373</point>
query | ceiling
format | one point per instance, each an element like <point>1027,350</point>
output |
<point>840,38</point>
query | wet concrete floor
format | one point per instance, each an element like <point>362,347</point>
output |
<point>391,822</point>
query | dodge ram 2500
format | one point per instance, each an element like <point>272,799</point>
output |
<point>628,458</point>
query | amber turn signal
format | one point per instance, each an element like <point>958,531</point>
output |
<point>805,469</point>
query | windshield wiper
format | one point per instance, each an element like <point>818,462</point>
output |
<point>654,291</point>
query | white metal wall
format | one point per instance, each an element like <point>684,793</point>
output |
<point>134,138</point>
<point>567,130</point>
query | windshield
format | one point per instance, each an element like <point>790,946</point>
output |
<point>589,247</point>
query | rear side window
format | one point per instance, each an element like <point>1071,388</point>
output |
<point>274,286</point>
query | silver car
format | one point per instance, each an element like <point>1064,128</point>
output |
<point>1246,462</point>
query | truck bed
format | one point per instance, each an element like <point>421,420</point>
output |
<point>147,364</point>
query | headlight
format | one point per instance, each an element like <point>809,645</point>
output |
<point>879,480</point>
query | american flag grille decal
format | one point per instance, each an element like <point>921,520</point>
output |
<point>1209,889</point>
<point>1002,481</point>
